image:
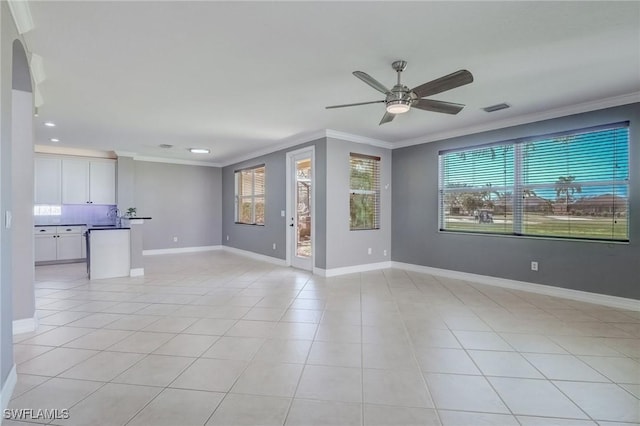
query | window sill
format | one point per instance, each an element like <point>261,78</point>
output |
<point>534,237</point>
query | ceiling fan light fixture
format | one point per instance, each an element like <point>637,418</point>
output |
<point>398,107</point>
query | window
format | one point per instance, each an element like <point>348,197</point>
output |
<point>567,185</point>
<point>364,199</point>
<point>47,210</point>
<point>250,195</point>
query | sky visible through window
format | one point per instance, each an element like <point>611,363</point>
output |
<point>589,157</point>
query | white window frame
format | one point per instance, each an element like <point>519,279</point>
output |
<point>252,198</point>
<point>375,192</point>
<point>519,186</point>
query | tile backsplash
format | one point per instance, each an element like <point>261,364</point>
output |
<point>80,214</point>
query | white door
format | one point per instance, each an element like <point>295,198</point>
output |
<point>300,241</point>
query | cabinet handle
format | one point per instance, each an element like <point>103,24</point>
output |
<point>43,230</point>
<point>69,230</point>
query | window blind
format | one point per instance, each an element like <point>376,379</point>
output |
<point>566,185</point>
<point>250,195</point>
<point>364,197</point>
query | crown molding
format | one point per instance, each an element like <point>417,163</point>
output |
<point>174,161</point>
<point>125,153</point>
<point>72,151</point>
<point>335,134</point>
<point>21,14</point>
<point>284,144</point>
<point>525,119</point>
<point>308,137</point>
<point>134,156</point>
<point>358,139</point>
<point>37,69</point>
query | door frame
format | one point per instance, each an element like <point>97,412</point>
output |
<point>290,212</point>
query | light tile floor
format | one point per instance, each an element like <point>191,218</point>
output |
<point>217,339</point>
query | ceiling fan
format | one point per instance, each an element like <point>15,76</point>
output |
<point>400,98</point>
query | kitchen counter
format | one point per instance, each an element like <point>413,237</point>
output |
<point>62,224</point>
<point>106,228</point>
<point>108,253</point>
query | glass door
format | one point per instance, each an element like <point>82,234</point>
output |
<point>301,209</point>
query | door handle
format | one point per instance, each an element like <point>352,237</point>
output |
<point>291,225</point>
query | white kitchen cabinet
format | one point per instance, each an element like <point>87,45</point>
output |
<point>45,244</point>
<point>102,182</point>
<point>48,180</point>
<point>53,243</point>
<point>75,181</point>
<point>88,181</point>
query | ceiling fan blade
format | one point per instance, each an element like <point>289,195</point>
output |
<point>350,105</point>
<point>387,117</point>
<point>371,81</point>
<point>442,84</point>
<point>437,106</point>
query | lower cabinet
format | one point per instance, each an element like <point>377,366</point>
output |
<point>58,243</point>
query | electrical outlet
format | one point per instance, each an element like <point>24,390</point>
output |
<point>369,250</point>
<point>384,252</point>
<point>282,213</point>
<point>534,266</point>
<point>175,239</point>
<point>227,238</point>
<point>274,246</point>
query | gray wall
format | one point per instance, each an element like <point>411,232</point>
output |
<point>260,239</point>
<point>611,269</point>
<point>336,246</point>
<point>125,183</point>
<point>345,247</point>
<point>22,199</point>
<point>7,35</point>
<point>184,201</point>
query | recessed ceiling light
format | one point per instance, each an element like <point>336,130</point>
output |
<point>54,140</point>
<point>199,150</point>
<point>165,146</point>
<point>50,124</point>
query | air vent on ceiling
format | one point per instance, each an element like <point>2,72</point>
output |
<point>165,146</point>
<point>496,107</point>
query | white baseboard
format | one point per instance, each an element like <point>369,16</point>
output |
<point>565,293</point>
<point>136,272</point>
<point>25,325</point>
<point>179,250</point>
<point>255,256</point>
<point>334,272</point>
<point>8,387</point>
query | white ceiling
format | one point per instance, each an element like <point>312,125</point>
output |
<point>242,77</point>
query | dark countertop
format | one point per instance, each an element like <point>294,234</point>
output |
<point>62,224</point>
<point>106,228</point>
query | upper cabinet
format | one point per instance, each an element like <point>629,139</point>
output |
<point>102,182</point>
<point>67,180</point>
<point>88,181</point>
<point>75,181</point>
<point>48,180</point>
